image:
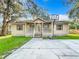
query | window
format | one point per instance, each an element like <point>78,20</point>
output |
<point>59,27</point>
<point>20,27</point>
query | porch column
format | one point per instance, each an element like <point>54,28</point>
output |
<point>25,29</point>
<point>34,30</point>
<point>42,29</point>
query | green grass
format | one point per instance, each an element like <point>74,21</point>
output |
<point>11,42</point>
<point>69,36</point>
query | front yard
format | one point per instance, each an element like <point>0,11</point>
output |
<point>10,43</point>
<point>69,36</point>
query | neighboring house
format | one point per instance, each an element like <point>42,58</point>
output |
<point>39,28</point>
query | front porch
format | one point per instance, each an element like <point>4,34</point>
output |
<point>39,28</point>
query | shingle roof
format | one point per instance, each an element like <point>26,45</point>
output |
<point>31,21</point>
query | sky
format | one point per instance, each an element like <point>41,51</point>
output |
<point>54,6</point>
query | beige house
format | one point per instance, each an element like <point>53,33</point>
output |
<point>39,28</point>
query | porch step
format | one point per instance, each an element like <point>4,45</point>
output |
<point>38,35</point>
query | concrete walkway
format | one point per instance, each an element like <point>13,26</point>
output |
<point>38,48</point>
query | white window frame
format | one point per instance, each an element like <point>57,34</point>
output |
<point>59,27</point>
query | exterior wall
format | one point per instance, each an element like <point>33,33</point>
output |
<point>57,32</point>
<point>61,32</point>
<point>27,32</point>
<point>49,32</point>
<point>15,32</point>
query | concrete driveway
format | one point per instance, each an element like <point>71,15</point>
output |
<point>38,48</point>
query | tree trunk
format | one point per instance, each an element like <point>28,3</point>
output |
<point>5,24</point>
<point>6,16</point>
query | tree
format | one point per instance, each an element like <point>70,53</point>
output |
<point>74,24</point>
<point>74,12</point>
<point>15,7</point>
<point>35,10</point>
<point>7,8</point>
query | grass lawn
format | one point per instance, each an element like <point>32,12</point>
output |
<point>69,36</point>
<point>8,43</point>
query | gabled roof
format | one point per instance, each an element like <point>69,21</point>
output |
<point>32,21</point>
<point>41,21</point>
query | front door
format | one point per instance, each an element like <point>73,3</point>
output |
<point>38,30</point>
